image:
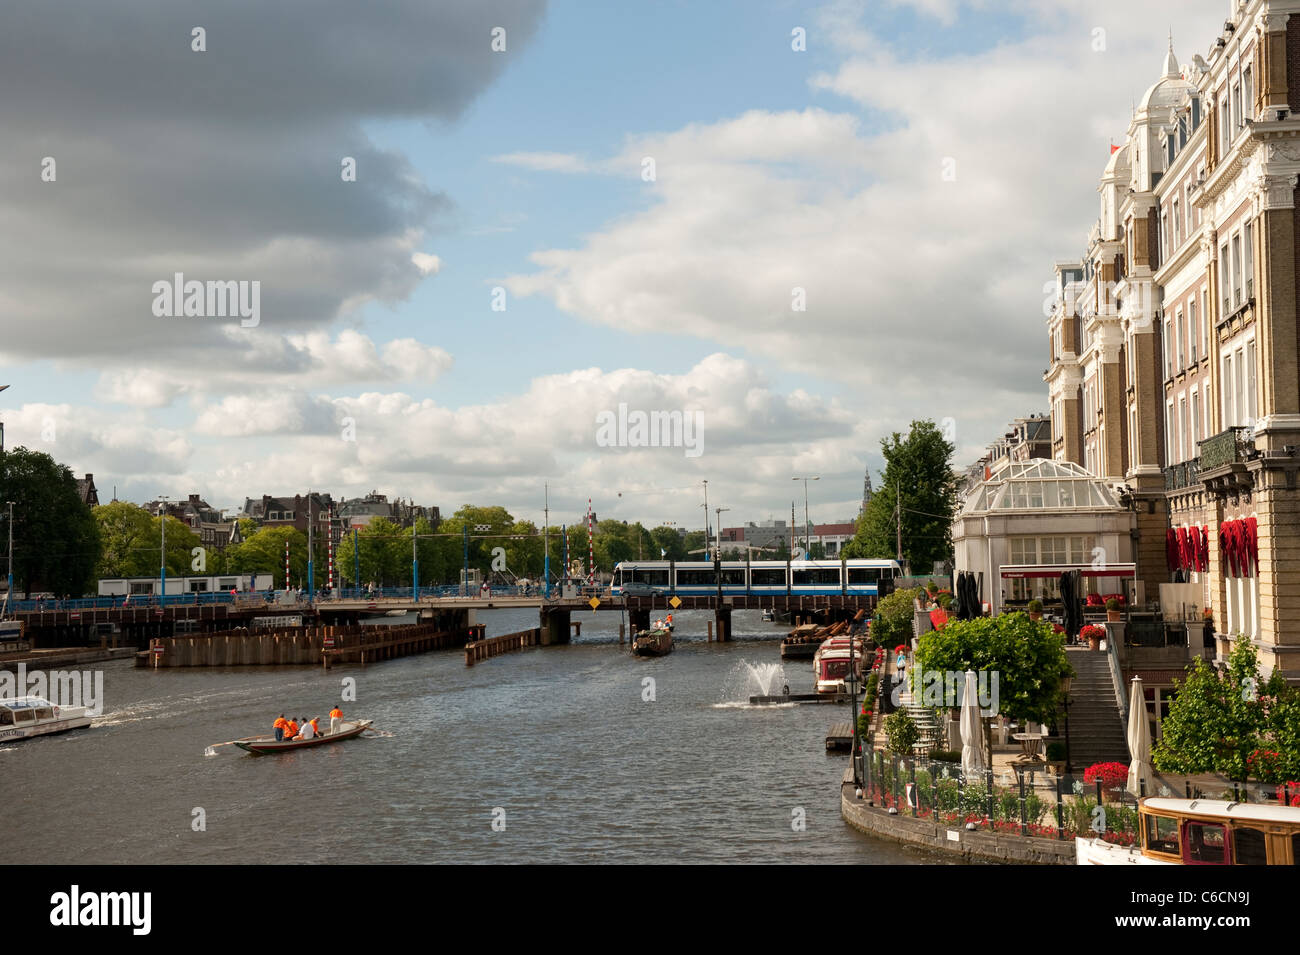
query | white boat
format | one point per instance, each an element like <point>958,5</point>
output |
<point>34,716</point>
<point>831,663</point>
<point>1203,832</point>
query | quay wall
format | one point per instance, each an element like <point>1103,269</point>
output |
<point>297,646</point>
<point>971,846</point>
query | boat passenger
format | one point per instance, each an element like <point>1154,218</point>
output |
<point>336,717</point>
<point>307,732</point>
<point>280,726</point>
<point>291,731</point>
<point>315,726</point>
<point>669,621</point>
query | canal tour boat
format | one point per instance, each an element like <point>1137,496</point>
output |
<point>653,643</point>
<point>267,745</point>
<point>1203,832</point>
<point>832,660</point>
<point>34,716</point>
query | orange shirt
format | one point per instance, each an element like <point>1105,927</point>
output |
<point>315,727</point>
<point>336,713</point>
<point>280,723</point>
<point>291,730</point>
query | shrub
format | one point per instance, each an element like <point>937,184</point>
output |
<point>893,620</point>
<point>1056,752</point>
<point>901,732</point>
<point>1112,775</point>
<point>1035,606</point>
<point>1112,604</point>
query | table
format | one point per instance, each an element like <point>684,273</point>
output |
<point>1030,743</point>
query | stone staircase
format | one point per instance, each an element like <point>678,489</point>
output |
<point>1097,731</point>
<point>932,735</point>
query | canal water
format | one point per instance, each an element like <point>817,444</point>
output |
<point>579,753</point>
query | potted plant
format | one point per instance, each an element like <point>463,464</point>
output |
<point>1056,757</point>
<point>1208,616</point>
<point>1113,613</point>
<point>1035,608</point>
<point>1093,634</point>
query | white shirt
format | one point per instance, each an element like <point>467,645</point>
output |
<point>306,731</point>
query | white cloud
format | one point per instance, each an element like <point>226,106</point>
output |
<point>543,161</point>
<point>426,263</point>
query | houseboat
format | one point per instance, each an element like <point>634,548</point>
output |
<point>832,661</point>
<point>35,716</point>
<point>1203,832</point>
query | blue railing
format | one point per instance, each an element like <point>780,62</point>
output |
<point>210,598</point>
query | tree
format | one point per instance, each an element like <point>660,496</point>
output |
<point>127,533</point>
<point>919,478</point>
<point>667,539</point>
<point>1027,656</point>
<point>892,623</point>
<point>262,552</point>
<point>1219,718</point>
<point>56,538</point>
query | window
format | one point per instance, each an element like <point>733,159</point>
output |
<point>1239,403</point>
<point>1225,123</point>
<point>1196,418</point>
<point>1205,318</point>
<point>1024,550</point>
<point>1249,846</point>
<point>1178,347</point>
<point>770,577</point>
<point>1236,270</point>
<point>1248,92</point>
<point>1178,235</point>
<point>1207,843</point>
<point>1248,233</point>
<point>696,578</point>
<point>1225,281</point>
<point>1251,407</point>
<point>1236,107</point>
<point>1193,328</point>
<point>1164,237</point>
<point>1165,346</point>
<point>1229,416</point>
<point>817,576</point>
<point>1169,432</point>
<point>1161,835</point>
<point>1183,444</point>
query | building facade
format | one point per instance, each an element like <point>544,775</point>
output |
<point>1174,342</point>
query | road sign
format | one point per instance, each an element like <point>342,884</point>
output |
<point>593,603</point>
<point>675,602</point>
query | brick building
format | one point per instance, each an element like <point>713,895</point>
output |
<point>1173,340</point>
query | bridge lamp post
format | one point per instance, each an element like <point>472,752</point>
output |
<point>807,526</point>
<point>9,594</point>
<point>718,511</point>
<point>162,568</point>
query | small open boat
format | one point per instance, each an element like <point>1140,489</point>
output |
<point>653,643</point>
<point>268,745</point>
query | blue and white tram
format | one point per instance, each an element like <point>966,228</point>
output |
<point>856,576</point>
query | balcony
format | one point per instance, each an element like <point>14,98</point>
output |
<point>1183,475</point>
<point>1224,448</point>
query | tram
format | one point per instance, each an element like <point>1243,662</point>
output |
<point>860,577</point>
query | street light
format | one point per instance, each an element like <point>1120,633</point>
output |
<point>718,511</point>
<point>807,525</point>
<point>9,594</point>
<point>706,519</point>
<point>162,568</point>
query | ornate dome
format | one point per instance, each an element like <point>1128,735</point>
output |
<point>1171,90</point>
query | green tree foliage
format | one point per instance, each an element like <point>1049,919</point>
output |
<point>918,475</point>
<point>902,732</point>
<point>129,536</point>
<point>1219,718</point>
<point>892,623</point>
<point>1027,656</point>
<point>262,552</point>
<point>667,539</point>
<point>56,538</point>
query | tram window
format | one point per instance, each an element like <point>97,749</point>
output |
<point>818,576</point>
<point>1162,835</point>
<point>1207,843</point>
<point>769,577</point>
<point>655,578</point>
<point>1249,846</point>
<point>733,578</point>
<point>696,578</point>
<point>864,575</point>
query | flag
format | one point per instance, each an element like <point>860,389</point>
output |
<point>662,553</point>
<point>1114,149</point>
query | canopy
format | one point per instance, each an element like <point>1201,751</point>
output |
<point>972,729</point>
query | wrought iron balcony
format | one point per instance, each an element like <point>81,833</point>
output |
<point>1224,448</point>
<point>1186,474</point>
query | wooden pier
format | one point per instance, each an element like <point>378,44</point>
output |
<point>478,650</point>
<point>840,738</point>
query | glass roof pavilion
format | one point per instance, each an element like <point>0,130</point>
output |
<point>1039,485</point>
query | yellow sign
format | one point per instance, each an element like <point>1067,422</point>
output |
<point>675,602</point>
<point>594,602</point>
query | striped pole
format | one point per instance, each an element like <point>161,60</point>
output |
<point>591,548</point>
<point>330,549</point>
<point>287,581</point>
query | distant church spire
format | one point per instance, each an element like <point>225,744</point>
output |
<point>866,490</point>
<point>1172,72</point>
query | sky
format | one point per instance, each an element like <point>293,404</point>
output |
<point>483,233</point>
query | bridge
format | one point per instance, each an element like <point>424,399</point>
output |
<point>100,621</point>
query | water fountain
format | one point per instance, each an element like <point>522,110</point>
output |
<point>769,678</point>
<point>747,680</point>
